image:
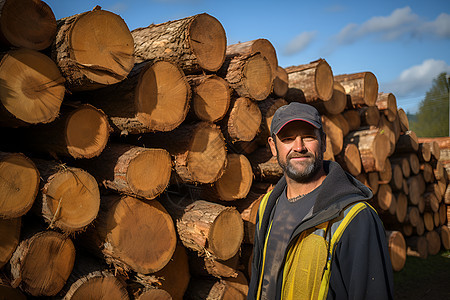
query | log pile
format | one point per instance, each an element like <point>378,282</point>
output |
<point>143,180</point>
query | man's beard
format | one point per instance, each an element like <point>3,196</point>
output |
<point>310,170</point>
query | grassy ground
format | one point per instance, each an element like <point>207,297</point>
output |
<point>424,278</point>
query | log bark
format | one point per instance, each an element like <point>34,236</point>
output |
<point>248,75</point>
<point>397,249</point>
<point>350,159</point>
<point>69,197</point>
<point>106,59</point>
<point>136,171</point>
<point>42,263</point>
<point>19,184</point>
<point>280,82</point>
<point>154,97</point>
<point>334,131</point>
<point>32,88</point>
<point>417,246</point>
<point>132,235</point>
<point>362,88</point>
<point>195,43</point>
<point>9,238</point>
<point>27,24</point>
<point>310,83</point>
<point>387,104</point>
<point>211,96</point>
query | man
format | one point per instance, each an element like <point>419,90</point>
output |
<point>316,236</point>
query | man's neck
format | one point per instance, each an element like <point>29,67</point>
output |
<point>295,188</point>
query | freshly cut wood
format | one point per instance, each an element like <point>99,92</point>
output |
<point>420,227</point>
<point>428,221</point>
<point>9,238</point>
<point>209,266</point>
<point>392,207</point>
<point>373,147</point>
<point>210,97</point>
<point>424,151</point>
<point>153,293</point>
<point>397,249</point>
<point>90,59</point>
<point>401,208</point>
<point>438,170</point>
<point>442,183</point>
<point>417,246</point>
<point>388,129</point>
<point>32,88</point>
<point>444,233</point>
<point>280,82</point>
<point>336,104</point>
<point>350,159</point>
<point>311,82</point>
<point>403,120</point>
<point>19,184</point>
<point>353,119</point>
<point>239,282</point>
<point>142,172</point>
<point>442,214</point>
<point>207,228</point>
<point>387,104</point>
<point>243,120</point>
<point>434,242</point>
<point>386,173</point>
<point>435,150</point>
<point>384,197</point>
<point>362,88</point>
<point>374,181</point>
<point>195,43</point>
<point>27,23</point>
<point>405,186</point>
<point>248,75</point>
<point>414,189</point>
<point>431,202</point>
<point>262,46</point>
<point>434,189</point>
<point>42,263</point>
<point>334,131</point>
<point>370,115</point>
<point>403,162</point>
<point>198,151</point>
<point>268,108</point>
<point>236,181</point>
<point>436,219</point>
<point>328,154</point>
<point>397,177</point>
<point>81,132</point>
<point>154,97</point>
<point>407,142</point>
<point>132,234</point>
<point>212,289</point>
<point>175,275</point>
<point>407,229</point>
<point>340,121</point>
<point>265,165</point>
<point>413,216</point>
<point>447,195</point>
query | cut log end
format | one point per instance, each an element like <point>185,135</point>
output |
<point>258,77</point>
<point>19,20</point>
<point>19,184</point>
<point>280,82</point>
<point>370,88</point>
<point>154,294</point>
<point>236,180</point>
<point>338,100</point>
<point>211,99</point>
<point>324,80</point>
<point>397,249</point>
<point>97,286</point>
<point>32,87</point>
<point>244,120</point>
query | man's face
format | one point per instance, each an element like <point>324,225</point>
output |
<point>299,150</point>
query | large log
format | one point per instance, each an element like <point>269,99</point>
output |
<point>210,266</point>
<point>332,127</point>
<point>210,97</point>
<point>280,82</point>
<point>350,159</point>
<point>397,177</point>
<point>194,43</point>
<point>386,173</point>
<point>132,234</point>
<point>26,23</point>
<point>408,142</point>
<point>397,249</point>
<point>384,197</point>
<point>336,104</point>
<point>154,97</point>
<point>42,263</point>
<point>32,88</point>
<point>310,82</point>
<point>268,108</point>
<point>137,171</point>
<point>362,88</point>
<point>370,115</point>
<point>402,120</point>
<point>90,59</point>
<point>248,75</point>
<point>19,184</point>
<point>424,151</point>
<point>9,238</point>
<point>353,119</point>
<point>69,198</point>
<point>387,104</point>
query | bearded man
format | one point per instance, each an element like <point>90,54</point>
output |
<point>316,235</point>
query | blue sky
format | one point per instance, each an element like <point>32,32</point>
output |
<point>404,43</point>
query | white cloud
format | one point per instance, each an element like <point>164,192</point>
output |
<point>300,42</point>
<point>439,27</point>
<point>416,80</point>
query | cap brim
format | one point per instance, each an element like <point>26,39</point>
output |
<point>299,119</point>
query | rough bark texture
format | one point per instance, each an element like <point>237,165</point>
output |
<point>362,87</point>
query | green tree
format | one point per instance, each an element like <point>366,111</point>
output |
<point>432,117</point>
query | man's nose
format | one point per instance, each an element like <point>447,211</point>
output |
<point>299,145</point>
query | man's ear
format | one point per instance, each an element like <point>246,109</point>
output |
<point>272,145</point>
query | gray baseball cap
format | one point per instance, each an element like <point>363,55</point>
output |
<point>295,111</point>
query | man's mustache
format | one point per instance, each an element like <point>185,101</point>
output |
<point>300,155</point>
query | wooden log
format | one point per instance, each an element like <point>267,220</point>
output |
<point>405,186</point>
<point>69,197</point>
<point>248,75</point>
<point>195,43</point>
<point>435,150</point>
<point>393,206</point>
<point>370,116</point>
<point>373,179</point>
<point>236,181</point>
<point>42,263</point>
<point>401,208</point>
<point>383,198</point>
<point>442,184</point>
<point>154,97</point>
<point>32,88</point>
<point>210,266</point>
<point>436,219</point>
<point>210,97</point>
<point>387,104</point>
<point>310,83</point>
<point>340,121</point>
<point>407,142</point>
<point>414,189</point>
<point>213,289</point>
<point>388,129</point>
<point>431,201</point>
<point>407,229</point>
<point>417,246</point>
<point>268,108</point>
<point>265,165</point>
<point>280,82</point>
<point>447,195</point>
<point>427,172</point>
<point>153,293</point>
<point>207,228</point>
<point>442,214</point>
<point>175,275</point>
<point>242,121</point>
<point>397,249</point>
<point>403,162</point>
<point>403,120</point>
<point>362,87</point>
<point>336,104</point>
<point>328,154</point>
<point>239,282</point>
<point>424,152</point>
<point>263,46</point>
<point>434,242</point>
<point>372,146</point>
<point>444,233</point>
<point>9,238</point>
<point>27,24</point>
<point>19,184</point>
<point>334,131</point>
<point>428,221</point>
<point>131,234</point>
<point>419,229</point>
<point>353,119</point>
<point>350,159</point>
<point>8,292</point>
<point>131,170</point>
<point>386,173</point>
<point>105,60</point>
<point>397,178</point>
<point>434,188</point>
<point>413,216</point>
<point>438,170</point>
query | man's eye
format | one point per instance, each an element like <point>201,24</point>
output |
<point>309,139</point>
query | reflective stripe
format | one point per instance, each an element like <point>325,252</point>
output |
<point>262,207</point>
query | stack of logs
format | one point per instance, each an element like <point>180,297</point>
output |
<point>132,163</point>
